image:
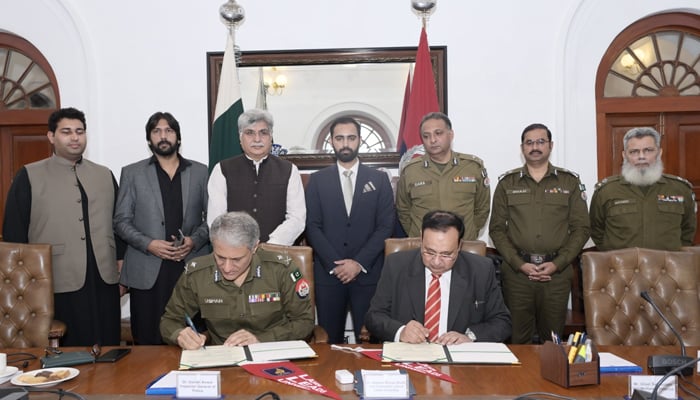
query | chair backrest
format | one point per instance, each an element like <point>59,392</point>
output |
<point>393,245</point>
<point>617,314</point>
<point>26,294</point>
<point>303,257</point>
<point>696,250</point>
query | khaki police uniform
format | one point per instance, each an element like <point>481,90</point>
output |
<point>460,186</point>
<point>538,222</point>
<point>660,216</point>
<point>273,303</point>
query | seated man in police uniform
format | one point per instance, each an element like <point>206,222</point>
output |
<point>244,294</point>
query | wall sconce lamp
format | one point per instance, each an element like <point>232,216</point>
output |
<point>275,86</point>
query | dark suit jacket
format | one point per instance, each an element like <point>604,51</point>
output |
<point>335,236</point>
<point>476,301</point>
<point>139,218</point>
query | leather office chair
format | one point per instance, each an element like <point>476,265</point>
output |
<point>394,245</point>
<point>303,259</point>
<point>26,296</point>
<point>616,313</point>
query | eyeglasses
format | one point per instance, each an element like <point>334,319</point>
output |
<point>442,256</point>
<point>539,142</point>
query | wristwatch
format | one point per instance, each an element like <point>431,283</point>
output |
<point>470,335</point>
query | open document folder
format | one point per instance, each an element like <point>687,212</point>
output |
<point>465,353</point>
<point>223,356</point>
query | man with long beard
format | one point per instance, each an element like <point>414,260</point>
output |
<point>643,207</point>
<point>349,213</point>
<point>161,214</point>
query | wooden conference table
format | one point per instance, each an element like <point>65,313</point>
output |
<point>130,375</point>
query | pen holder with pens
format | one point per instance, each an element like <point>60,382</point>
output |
<point>555,367</point>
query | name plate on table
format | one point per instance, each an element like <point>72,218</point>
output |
<point>646,383</point>
<point>198,385</point>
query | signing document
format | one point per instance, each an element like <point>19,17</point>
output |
<point>222,356</point>
<point>465,353</point>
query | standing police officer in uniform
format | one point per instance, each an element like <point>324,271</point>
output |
<point>245,295</point>
<point>443,179</point>
<point>539,225</point>
<point>643,207</point>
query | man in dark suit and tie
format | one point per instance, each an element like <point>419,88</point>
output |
<point>349,213</point>
<point>438,293</point>
<point>159,196</point>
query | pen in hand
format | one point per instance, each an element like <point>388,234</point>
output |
<point>189,322</point>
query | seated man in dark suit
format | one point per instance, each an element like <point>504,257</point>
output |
<point>463,302</point>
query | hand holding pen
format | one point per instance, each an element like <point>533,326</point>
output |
<point>190,339</point>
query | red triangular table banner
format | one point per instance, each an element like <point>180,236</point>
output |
<point>422,368</point>
<point>289,374</point>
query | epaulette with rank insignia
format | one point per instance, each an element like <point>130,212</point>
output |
<point>606,181</point>
<point>470,157</point>
<point>511,172</point>
<point>191,267</point>
<point>679,178</point>
<point>572,173</point>
<point>413,161</point>
<point>279,258</point>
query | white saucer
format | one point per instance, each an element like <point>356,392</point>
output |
<point>72,373</point>
<point>9,370</point>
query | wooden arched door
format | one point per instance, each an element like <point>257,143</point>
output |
<point>28,95</point>
<point>650,76</point>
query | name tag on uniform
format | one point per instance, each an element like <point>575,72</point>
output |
<point>464,179</point>
<point>557,190</point>
<point>618,202</point>
<point>419,184</point>
<point>669,199</point>
<point>517,191</point>
<point>264,297</point>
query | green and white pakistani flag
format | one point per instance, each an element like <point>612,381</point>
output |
<point>225,141</point>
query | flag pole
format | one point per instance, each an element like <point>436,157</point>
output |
<point>224,141</point>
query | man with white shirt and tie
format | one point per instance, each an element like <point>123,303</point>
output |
<point>350,211</point>
<point>438,293</point>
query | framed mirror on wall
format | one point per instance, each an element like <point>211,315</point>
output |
<point>306,89</point>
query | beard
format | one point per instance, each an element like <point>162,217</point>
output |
<point>166,151</point>
<point>643,176</point>
<point>346,156</point>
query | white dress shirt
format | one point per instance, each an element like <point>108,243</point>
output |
<point>295,216</point>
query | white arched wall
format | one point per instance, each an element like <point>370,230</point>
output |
<point>64,42</point>
<point>588,32</point>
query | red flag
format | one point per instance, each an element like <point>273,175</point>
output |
<point>422,99</point>
<point>289,374</point>
<point>400,143</point>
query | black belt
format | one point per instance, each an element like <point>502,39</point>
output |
<point>537,259</point>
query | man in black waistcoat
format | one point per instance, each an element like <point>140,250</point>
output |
<point>267,187</point>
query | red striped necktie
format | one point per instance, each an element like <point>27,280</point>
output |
<point>432,308</point>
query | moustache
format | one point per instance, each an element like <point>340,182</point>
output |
<point>535,152</point>
<point>164,142</point>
